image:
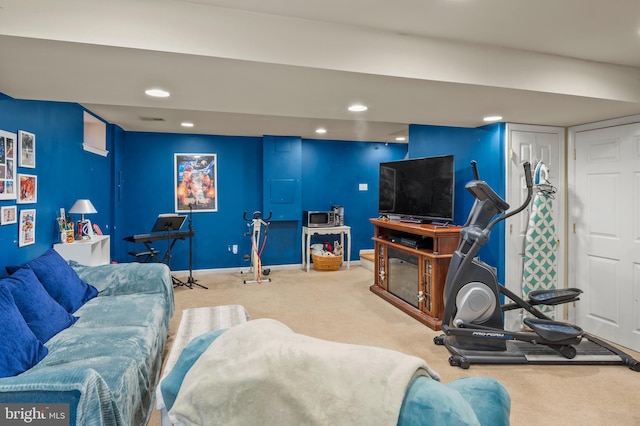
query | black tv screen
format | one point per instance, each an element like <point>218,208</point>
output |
<point>419,189</point>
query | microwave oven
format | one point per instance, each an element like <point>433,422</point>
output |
<point>318,219</point>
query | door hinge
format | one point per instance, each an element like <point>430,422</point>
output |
<point>574,155</point>
<point>574,228</point>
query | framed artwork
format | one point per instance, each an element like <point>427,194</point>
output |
<point>7,165</point>
<point>27,227</point>
<point>195,182</point>
<point>9,215</point>
<point>27,189</point>
<point>27,143</point>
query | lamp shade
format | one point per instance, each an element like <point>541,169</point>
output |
<point>82,206</point>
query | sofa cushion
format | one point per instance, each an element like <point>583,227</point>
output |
<point>44,316</point>
<point>59,279</point>
<point>19,347</point>
<point>488,398</point>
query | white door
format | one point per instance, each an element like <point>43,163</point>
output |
<point>605,214</point>
<point>532,144</point>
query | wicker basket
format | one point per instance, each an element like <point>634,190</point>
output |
<point>326,263</point>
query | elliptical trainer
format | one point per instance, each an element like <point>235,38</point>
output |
<point>473,321</point>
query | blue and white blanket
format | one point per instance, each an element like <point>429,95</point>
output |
<point>261,372</point>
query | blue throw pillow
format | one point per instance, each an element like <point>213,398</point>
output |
<point>19,348</point>
<point>60,280</point>
<point>44,316</point>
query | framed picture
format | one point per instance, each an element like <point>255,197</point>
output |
<point>7,165</point>
<point>9,215</point>
<point>27,143</point>
<point>195,182</point>
<point>27,189</point>
<point>27,227</point>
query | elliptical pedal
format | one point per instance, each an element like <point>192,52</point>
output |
<point>555,331</point>
<point>554,297</point>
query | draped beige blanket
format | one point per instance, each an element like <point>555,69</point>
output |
<point>262,373</point>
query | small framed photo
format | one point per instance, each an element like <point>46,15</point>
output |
<point>27,144</point>
<point>27,231</point>
<point>27,189</point>
<point>7,165</point>
<point>9,215</point>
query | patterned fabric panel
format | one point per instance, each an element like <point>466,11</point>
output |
<point>539,271</point>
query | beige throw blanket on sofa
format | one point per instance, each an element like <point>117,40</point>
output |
<point>262,373</point>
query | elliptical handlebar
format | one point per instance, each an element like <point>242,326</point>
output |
<point>474,168</point>
<point>529,182</point>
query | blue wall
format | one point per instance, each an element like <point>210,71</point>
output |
<point>65,173</point>
<point>331,176</point>
<point>134,184</point>
<point>483,144</point>
<point>331,172</point>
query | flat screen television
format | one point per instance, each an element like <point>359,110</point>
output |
<point>417,190</point>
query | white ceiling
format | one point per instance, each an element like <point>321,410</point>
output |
<point>286,67</point>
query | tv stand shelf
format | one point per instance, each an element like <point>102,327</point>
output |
<point>411,265</point>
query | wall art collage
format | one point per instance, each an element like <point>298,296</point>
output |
<point>18,150</point>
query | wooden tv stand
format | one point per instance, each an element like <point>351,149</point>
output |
<point>411,265</point>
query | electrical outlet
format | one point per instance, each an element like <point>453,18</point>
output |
<point>235,249</point>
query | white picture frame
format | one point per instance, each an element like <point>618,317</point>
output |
<point>195,183</point>
<point>8,215</point>
<point>27,227</point>
<point>27,189</point>
<point>27,144</point>
<point>7,165</point>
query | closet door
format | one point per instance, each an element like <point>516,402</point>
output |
<point>532,144</point>
<point>605,216</point>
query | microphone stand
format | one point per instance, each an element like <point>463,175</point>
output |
<point>191,281</point>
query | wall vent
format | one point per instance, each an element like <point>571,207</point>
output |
<point>152,119</point>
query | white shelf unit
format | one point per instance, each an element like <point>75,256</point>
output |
<point>93,252</point>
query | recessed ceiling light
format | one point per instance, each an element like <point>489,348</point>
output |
<point>358,108</point>
<point>321,131</point>
<point>493,118</point>
<point>401,138</point>
<point>186,124</point>
<point>157,93</point>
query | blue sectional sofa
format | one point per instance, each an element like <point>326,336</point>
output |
<point>90,345</point>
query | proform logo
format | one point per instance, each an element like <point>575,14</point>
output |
<point>36,414</point>
<point>491,334</point>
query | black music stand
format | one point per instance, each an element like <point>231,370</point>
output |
<point>167,223</point>
<point>191,281</point>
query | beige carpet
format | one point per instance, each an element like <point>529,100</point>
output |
<point>338,306</point>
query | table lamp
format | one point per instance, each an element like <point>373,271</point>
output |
<point>83,206</point>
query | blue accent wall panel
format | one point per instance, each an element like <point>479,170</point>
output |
<point>485,145</point>
<point>282,170</point>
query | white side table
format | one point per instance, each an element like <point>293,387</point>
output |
<point>93,252</point>
<point>307,232</point>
